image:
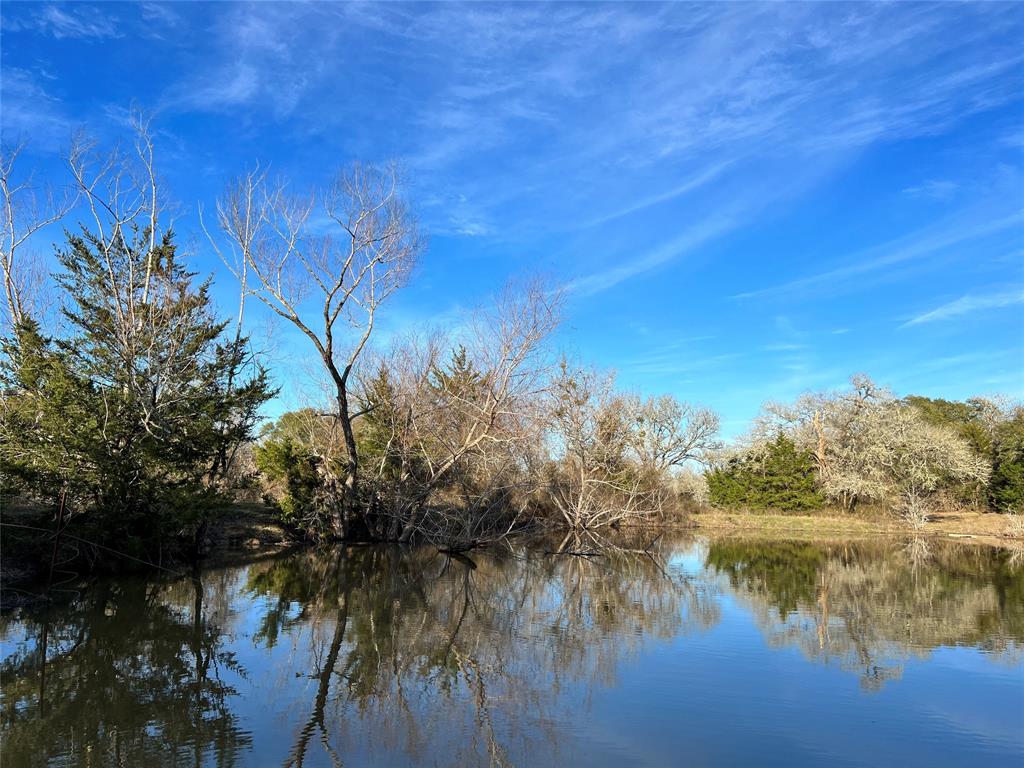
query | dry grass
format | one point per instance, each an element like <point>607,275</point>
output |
<point>983,526</point>
<point>1014,528</point>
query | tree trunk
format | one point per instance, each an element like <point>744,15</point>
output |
<point>416,507</point>
<point>342,518</point>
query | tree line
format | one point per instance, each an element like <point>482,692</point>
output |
<point>132,414</point>
<point>863,445</point>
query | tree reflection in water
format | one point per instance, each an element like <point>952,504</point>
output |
<point>871,605</point>
<point>127,673</point>
<point>454,659</point>
<point>366,654</point>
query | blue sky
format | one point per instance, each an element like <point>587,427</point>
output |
<point>744,201</point>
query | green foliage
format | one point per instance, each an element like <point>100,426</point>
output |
<point>787,572</point>
<point>994,433</point>
<point>376,431</point>
<point>1006,487</point>
<point>778,477</point>
<point>50,418</point>
<point>459,377</point>
<point>966,418</point>
<point>132,411</point>
<point>457,392</point>
<point>286,460</point>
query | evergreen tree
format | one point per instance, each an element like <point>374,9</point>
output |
<point>288,462</point>
<point>135,408</point>
<point>377,428</point>
<point>457,389</point>
<point>779,476</point>
<point>459,377</point>
<point>49,420</point>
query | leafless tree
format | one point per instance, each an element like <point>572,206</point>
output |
<point>24,211</point>
<point>614,453</point>
<point>123,195</point>
<point>328,285</point>
<point>590,481</point>
<point>669,433</point>
<point>870,446</point>
<point>466,432</point>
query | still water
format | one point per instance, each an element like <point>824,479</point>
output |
<point>710,652</point>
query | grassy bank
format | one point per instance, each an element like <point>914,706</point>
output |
<point>984,527</point>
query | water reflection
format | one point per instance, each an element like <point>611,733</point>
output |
<point>871,605</point>
<point>414,643</point>
<point>382,655</point>
<point>126,674</point>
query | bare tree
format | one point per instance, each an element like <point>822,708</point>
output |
<point>329,286</point>
<point>467,427</point>
<point>667,433</point>
<point>591,482</point>
<point>122,193</point>
<point>24,211</point>
<point>615,453</point>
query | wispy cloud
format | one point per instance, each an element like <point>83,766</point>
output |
<point>690,185</point>
<point>674,362</point>
<point>67,21</point>
<point>958,230</point>
<point>160,13</point>
<point>690,240</point>
<point>969,304</point>
<point>933,189</point>
<point>634,108</point>
<point>30,111</point>
<point>784,347</point>
<point>267,56</point>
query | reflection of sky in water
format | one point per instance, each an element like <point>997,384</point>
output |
<point>716,653</point>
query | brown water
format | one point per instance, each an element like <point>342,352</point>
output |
<point>720,652</point>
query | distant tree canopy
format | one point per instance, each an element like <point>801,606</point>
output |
<point>995,432</point>
<point>862,444</point>
<point>774,475</point>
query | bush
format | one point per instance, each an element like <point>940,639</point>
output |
<point>287,464</point>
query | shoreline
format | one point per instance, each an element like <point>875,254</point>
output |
<point>976,527</point>
<point>251,531</point>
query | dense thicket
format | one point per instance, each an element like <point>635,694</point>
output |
<point>994,431</point>
<point>912,455</point>
<point>462,439</point>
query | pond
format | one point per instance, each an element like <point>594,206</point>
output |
<point>697,652</point>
